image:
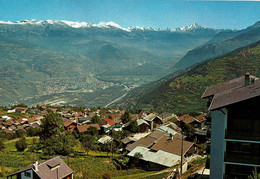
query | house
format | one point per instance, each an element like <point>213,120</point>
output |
<point>69,125</point>
<point>153,120</point>
<point>153,160</point>
<point>108,124</point>
<point>235,131</point>
<point>146,141</point>
<point>143,125</point>
<point>173,145</point>
<point>188,119</point>
<point>84,128</point>
<point>54,168</point>
<point>166,117</point>
<point>21,109</point>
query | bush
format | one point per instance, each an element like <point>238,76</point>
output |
<point>21,144</point>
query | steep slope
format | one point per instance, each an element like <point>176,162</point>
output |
<point>222,43</point>
<point>181,92</point>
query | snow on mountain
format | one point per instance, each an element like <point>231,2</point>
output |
<point>102,25</point>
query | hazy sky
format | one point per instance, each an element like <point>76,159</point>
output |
<point>152,13</point>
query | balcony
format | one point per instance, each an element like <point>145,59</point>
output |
<point>239,157</point>
<point>240,135</point>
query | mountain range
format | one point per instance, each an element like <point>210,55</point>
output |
<point>68,62</point>
<point>79,63</point>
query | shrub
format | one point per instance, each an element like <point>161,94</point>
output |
<point>21,144</point>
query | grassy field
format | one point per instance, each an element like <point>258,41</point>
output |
<point>94,165</point>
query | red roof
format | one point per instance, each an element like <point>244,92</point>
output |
<point>67,123</point>
<point>84,128</point>
<point>110,121</point>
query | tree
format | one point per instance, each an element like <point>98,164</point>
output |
<point>87,142</point>
<point>19,133</point>
<point>51,125</point>
<point>133,127</point>
<point>33,131</point>
<point>21,144</point>
<point>126,117</point>
<point>95,119</point>
<point>92,131</point>
<point>2,145</point>
<point>53,138</point>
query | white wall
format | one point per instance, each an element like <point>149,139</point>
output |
<point>218,145</point>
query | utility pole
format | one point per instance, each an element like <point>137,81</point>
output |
<point>181,152</point>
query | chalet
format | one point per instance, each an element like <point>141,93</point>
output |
<point>69,125</point>
<point>143,125</point>
<point>21,109</point>
<point>187,119</point>
<point>153,120</point>
<point>165,116</point>
<point>54,168</point>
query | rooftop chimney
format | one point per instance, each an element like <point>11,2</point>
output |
<point>247,79</point>
<point>35,166</point>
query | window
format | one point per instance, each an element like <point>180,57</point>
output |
<point>27,174</point>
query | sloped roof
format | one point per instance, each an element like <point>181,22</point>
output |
<point>67,123</point>
<point>159,157</point>
<point>146,141</point>
<point>105,139</point>
<point>173,146</point>
<point>232,96</point>
<point>46,169</point>
<point>187,119</point>
<point>201,117</point>
<point>141,121</point>
<point>128,139</point>
<point>166,129</point>
<point>110,121</point>
<point>84,128</point>
<point>234,83</point>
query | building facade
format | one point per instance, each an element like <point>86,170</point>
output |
<point>235,128</point>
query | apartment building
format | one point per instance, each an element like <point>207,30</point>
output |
<point>235,128</point>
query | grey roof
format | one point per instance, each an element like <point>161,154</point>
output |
<point>166,129</point>
<point>159,157</point>
<point>50,169</point>
<point>141,121</point>
<point>151,117</point>
<point>232,96</point>
<point>231,84</point>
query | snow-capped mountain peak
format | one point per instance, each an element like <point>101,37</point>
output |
<point>101,25</point>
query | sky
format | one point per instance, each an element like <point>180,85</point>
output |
<point>152,13</point>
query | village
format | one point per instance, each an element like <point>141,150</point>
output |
<point>150,140</point>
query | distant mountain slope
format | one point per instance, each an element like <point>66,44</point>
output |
<point>222,43</point>
<point>42,60</point>
<point>182,92</point>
